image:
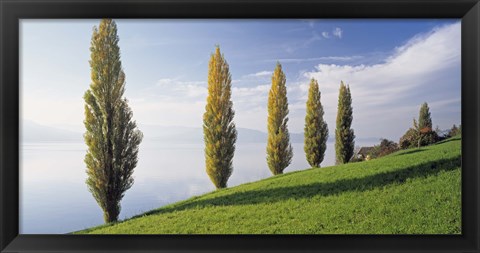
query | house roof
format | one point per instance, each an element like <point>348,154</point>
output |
<point>364,151</point>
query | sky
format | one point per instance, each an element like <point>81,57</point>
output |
<point>391,66</point>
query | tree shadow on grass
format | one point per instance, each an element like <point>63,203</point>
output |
<point>455,138</point>
<point>320,189</point>
<point>413,151</point>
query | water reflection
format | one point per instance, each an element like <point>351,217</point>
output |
<point>54,197</point>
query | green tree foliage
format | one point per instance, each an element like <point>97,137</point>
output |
<point>385,147</point>
<point>316,129</point>
<point>424,117</point>
<point>344,135</point>
<point>279,149</point>
<point>453,131</point>
<point>409,139</point>
<point>421,134</point>
<point>426,136</point>
<point>111,135</point>
<point>218,126</point>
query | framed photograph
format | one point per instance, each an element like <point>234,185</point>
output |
<point>239,126</point>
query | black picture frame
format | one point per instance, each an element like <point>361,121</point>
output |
<point>11,11</point>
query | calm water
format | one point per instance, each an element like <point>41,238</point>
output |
<point>54,197</point>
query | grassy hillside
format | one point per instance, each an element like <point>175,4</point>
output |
<point>416,191</point>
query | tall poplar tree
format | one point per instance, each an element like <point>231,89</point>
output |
<point>111,135</point>
<point>344,135</point>
<point>279,149</point>
<point>316,129</point>
<point>424,117</point>
<point>219,130</point>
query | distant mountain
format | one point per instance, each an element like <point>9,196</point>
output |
<point>34,132</point>
<point>250,136</point>
<point>195,135</point>
<point>370,140</point>
<point>246,135</point>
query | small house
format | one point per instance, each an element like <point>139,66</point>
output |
<point>363,153</point>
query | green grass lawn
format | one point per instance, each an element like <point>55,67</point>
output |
<point>416,191</point>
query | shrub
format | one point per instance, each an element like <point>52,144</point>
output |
<point>384,148</point>
<point>428,137</point>
<point>417,138</point>
<point>454,131</point>
<point>409,139</point>
<point>422,133</point>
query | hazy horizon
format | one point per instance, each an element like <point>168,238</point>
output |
<point>392,67</point>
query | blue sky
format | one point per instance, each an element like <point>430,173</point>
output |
<point>392,66</point>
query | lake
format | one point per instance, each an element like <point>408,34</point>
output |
<point>54,197</point>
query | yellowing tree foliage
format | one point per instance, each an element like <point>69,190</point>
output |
<point>316,129</point>
<point>111,135</point>
<point>279,149</point>
<point>344,135</point>
<point>218,126</point>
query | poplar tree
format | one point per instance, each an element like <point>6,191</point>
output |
<point>219,130</point>
<point>424,117</point>
<point>279,149</point>
<point>316,129</point>
<point>111,135</point>
<point>344,135</point>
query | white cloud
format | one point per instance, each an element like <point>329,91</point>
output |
<point>250,105</point>
<point>171,101</point>
<point>182,103</point>
<point>169,112</point>
<point>260,74</point>
<point>337,32</point>
<point>293,47</point>
<point>249,91</point>
<point>387,96</point>
<point>177,109</point>
<point>323,58</point>
<point>174,86</point>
